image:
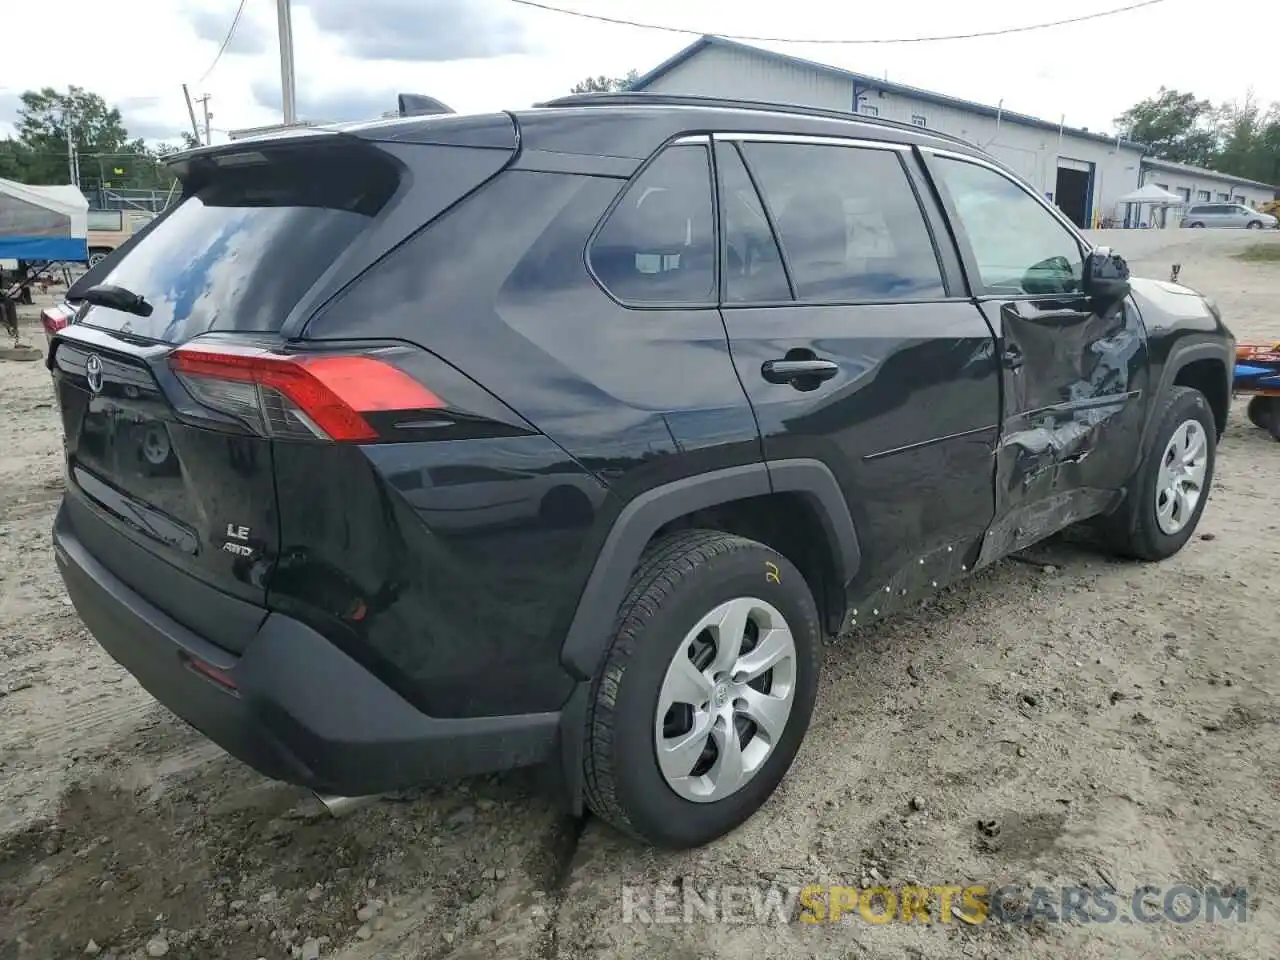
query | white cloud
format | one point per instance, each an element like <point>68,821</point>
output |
<point>488,54</point>
<point>434,31</point>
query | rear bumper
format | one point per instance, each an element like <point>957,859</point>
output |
<point>301,710</point>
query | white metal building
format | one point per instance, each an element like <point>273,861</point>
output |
<point>1083,172</point>
<point>1198,185</point>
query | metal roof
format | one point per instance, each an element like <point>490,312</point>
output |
<point>1157,164</point>
<point>871,83</point>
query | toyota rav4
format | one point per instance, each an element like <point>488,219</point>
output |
<point>436,446</point>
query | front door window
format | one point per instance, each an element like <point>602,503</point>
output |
<point>1019,246</point>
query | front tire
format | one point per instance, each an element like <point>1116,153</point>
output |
<point>1255,224</point>
<point>1196,226</point>
<point>1168,493</point>
<point>714,666</point>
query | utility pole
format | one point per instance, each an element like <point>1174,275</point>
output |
<point>208,131</point>
<point>191,112</point>
<point>287,90</point>
<point>72,167</point>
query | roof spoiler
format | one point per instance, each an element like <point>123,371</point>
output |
<point>419,105</point>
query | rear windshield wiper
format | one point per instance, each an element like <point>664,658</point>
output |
<point>117,298</point>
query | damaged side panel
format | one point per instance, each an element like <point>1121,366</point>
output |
<point>1075,388</point>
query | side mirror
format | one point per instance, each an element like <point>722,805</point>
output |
<point>1106,275</point>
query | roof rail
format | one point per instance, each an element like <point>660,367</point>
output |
<point>636,98</point>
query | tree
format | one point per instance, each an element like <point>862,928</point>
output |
<point>44,120</point>
<point>1249,140</point>
<point>1239,138</point>
<point>1174,126</point>
<point>603,84</point>
<point>15,158</point>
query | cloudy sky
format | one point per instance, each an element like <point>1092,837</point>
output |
<point>353,56</point>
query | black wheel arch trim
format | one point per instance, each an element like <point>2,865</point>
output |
<point>1181,356</point>
<point>636,524</point>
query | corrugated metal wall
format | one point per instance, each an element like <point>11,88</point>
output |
<point>716,72</point>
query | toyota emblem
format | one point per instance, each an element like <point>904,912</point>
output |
<point>93,372</point>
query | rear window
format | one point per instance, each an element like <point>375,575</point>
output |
<point>252,234</point>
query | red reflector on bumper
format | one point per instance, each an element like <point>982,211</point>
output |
<point>221,677</point>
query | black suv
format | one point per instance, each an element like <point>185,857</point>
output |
<point>435,446</point>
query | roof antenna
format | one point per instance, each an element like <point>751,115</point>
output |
<point>419,105</point>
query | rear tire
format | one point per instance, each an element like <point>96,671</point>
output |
<point>1146,527</point>
<point>97,256</point>
<point>1196,226</point>
<point>682,580</point>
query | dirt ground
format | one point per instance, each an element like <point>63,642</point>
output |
<point>1117,721</point>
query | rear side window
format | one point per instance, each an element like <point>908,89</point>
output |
<point>248,240</point>
<point>849,222</point>
<point>658,244</point>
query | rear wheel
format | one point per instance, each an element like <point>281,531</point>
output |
<point>1168,493</point>
<point>97,256</point>
<point>706,691</point>
<point>1196,226</point>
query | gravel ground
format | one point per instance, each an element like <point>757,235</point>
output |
<point>1107,722</point>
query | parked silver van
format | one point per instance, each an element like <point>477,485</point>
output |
<point>1228,215</point>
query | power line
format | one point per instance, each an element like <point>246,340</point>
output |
<point>826,40</point>
<point>231,32</point>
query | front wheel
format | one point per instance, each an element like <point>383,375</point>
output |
<point>706,691</point>
<point>1196,226</point>
<point>1167,495</point>
<point>1255,224</point>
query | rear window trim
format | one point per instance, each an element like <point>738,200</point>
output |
<point>710,303</point>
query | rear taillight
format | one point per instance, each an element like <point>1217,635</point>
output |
<point>325,396</point>
<point>56,318</point>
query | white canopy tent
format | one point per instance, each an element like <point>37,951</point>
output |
<point>1150,193</point>
<point>43,223</point>
<point>1151,198</point>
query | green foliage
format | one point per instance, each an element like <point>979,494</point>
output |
<point>603,84</point>
<point>15,160</point>
<point>1260,253</point>
<point>1174,125</point>
<point>105,153</point>
<point>1239,138</point>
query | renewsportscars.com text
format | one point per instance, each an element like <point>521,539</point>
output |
<point>690,902</point>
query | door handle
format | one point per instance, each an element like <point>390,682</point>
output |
<point>1013,358</point>
<point>796,372</point>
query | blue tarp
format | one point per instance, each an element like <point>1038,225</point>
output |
<point>44,248</point>
<point>48,223</point>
